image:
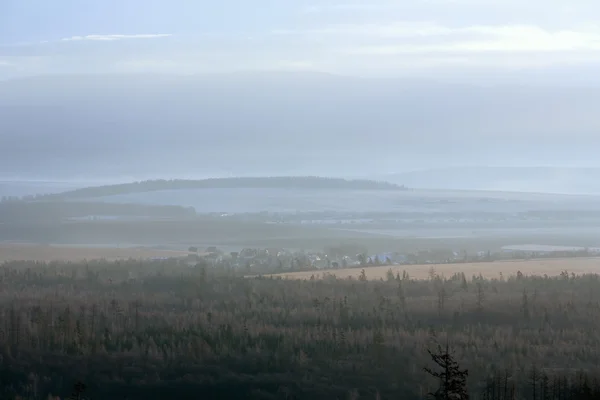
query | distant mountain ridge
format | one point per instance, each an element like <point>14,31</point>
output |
<point>575,180</point>
<point>306,182</point>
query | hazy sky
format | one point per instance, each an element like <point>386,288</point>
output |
<point>377,37</point>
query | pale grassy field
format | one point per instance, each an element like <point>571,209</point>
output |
<point>12,252</point>
<point>551,267</point>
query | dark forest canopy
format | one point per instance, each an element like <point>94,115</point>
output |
<point>284,182</point>
<point>164,330</point>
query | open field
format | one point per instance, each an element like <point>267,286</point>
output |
<point>161,232</point>
<point>30,252</point>
<point>489,270</point>
<point>292,200</point>
<point>238,234</point>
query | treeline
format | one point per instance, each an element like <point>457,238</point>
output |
<point>155,330</point>
<point>40,211</point>
<point>291,182</point>
<point>143,231</point>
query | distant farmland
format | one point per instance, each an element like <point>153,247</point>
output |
<point>550,267</point>
<point>31,252</point>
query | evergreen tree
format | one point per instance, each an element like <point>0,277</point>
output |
<point>453,379</point>
<point>78,390</point>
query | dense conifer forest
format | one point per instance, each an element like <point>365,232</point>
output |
<point>158,330</point>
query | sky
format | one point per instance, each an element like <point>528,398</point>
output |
<point>362,38</point>
<point>117,125</point>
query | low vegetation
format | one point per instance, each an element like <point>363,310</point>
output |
<point>156,330</point>
<point>40,253</point>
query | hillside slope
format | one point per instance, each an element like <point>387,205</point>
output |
<point>221,183</point>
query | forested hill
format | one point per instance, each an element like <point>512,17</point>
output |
<point>308,182</point>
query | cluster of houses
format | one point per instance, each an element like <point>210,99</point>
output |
<point>283,259</point>
<point>269,258</point>
<point>276,258</point>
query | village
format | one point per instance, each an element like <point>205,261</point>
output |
<point>277,259</point>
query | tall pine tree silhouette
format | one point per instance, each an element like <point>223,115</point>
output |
<point>453,379</point>
<point>78,390</point>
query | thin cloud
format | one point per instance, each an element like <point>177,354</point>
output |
<point>392,5</point>
<point>316,9</point>
<point>114,37</point>
<point>402,29</point>
<point>440,38</point>
<point>361,43</point>
<point>295,65</point>
<point>150,65</point>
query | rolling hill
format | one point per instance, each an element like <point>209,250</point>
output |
<point>227,183</point>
